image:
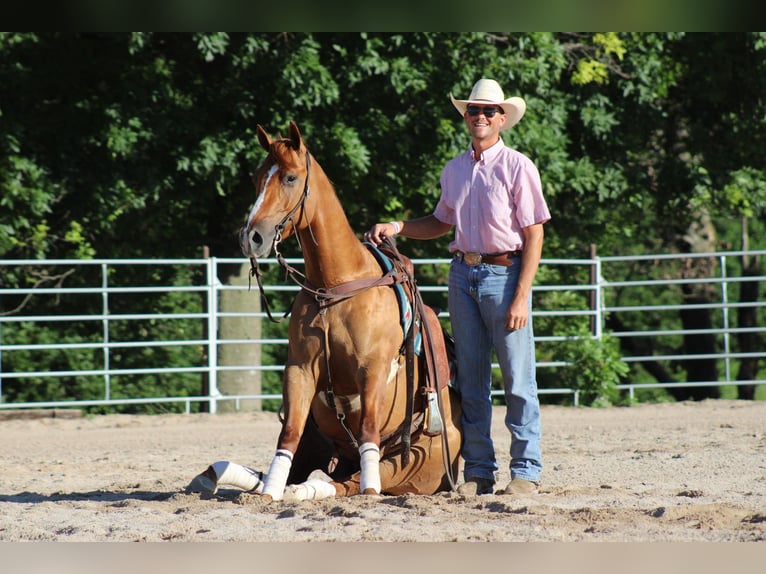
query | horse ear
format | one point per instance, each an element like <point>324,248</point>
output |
<point>295,136</point>
<point>263,138</point>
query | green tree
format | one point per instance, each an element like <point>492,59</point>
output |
<point>142,144</point>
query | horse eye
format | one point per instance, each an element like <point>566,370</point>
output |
<point>291,179</point>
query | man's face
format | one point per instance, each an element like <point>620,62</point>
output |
<point>484,121</point>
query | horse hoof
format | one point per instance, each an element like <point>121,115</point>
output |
<point>203,484</point>
<point>370,492</point>
<point>294,493</point>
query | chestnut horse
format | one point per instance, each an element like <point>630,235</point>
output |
<point>347,407</point>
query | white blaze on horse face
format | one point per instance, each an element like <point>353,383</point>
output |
<point>259,200</point>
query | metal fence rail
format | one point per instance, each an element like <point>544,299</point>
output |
<point>599,285</point>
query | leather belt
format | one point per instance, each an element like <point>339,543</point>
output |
<point>474,259</point>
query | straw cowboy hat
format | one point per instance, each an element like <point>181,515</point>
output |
<point>487,91</point>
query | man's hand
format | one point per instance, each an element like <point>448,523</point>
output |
<point>379,232</point>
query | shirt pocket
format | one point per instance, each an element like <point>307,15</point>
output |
<point>497,205</point>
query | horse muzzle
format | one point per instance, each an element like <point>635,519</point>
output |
<point>253,243</point>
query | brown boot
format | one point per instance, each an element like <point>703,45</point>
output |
<point>474,486</point>
<point>520,486</point>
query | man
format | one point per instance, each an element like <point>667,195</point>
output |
<point>492,195</point>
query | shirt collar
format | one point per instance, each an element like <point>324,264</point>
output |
<point>490,152</point>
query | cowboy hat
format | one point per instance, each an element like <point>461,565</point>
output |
<point>487,91</point>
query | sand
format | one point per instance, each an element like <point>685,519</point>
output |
<point>684,472</point>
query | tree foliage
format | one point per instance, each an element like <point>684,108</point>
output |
<point>102,133</point>
<point>142,144</point>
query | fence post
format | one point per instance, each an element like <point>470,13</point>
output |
<point>1,353</point>
<point>725,317</point>
<point>595,293</point>
<point>105,331</point>
<point>212,334</point>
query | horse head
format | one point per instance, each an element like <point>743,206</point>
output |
<point>282,186</point>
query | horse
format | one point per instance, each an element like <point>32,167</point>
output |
<point>357,404</point>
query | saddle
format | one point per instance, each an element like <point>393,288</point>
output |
<point>423,335</point>
<point>390,259</point>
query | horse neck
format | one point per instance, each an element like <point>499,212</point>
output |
<point>332,252</point>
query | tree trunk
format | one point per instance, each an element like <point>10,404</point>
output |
<point>747,317</point>
<point>247,381</point>
<point>697,344</point>
<point>699,238</point>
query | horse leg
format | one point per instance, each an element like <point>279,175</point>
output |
<point>368,479</point>
<point>226,473</point>
<point>424,475</point>
<point>369,460</point>
<point>372,393</point>
<point>426,472</point>
<point>315,452</point>
<point>297,390</point>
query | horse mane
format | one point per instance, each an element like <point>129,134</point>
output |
<point>280,147</point>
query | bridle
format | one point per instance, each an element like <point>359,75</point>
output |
<point>323,296</point>
<point>290,271</point>
<point>301,204</point>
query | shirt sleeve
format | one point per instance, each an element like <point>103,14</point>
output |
<point>443,212</point>
<point>531,207</point>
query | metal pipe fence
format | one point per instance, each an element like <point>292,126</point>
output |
<point>98,326</point>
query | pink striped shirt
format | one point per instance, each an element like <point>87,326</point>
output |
<point>489,201</point>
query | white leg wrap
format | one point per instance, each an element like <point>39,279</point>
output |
<point>369,455</point>
<point>203,484</point>
<point>233,474</point>
<point>278,471</point>
<point>312,489</point>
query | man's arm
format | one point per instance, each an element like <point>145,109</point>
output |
<point>518,312</point>
<point>427,227</point>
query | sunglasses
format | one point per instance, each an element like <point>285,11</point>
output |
<point>489,112</point>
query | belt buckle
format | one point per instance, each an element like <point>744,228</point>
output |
<point>472,258</point>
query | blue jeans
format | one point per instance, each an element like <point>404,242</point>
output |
<point>479,298</point>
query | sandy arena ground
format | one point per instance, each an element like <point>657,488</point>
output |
<point>649,473</point>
